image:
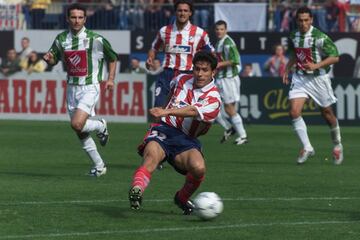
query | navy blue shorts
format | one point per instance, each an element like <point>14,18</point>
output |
<point>162,85</point>
<point>173,142</point>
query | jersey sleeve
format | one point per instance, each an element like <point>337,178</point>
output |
<point>291,48</point>
<point>109,54</point>
<point>329,48</point>
<point>208,108</point>
<point>234,55</point>
<point>158,42</point>
<point>56,50</point>
<point>205,43</point>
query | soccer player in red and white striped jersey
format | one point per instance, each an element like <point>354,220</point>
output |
<point>194,105</point>
<point>179,41</point>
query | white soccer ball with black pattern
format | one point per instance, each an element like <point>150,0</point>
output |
<point>208,205</point>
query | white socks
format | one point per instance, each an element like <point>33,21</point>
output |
<point>93,125</point>
<point>238,125</point>
<point>223,121</point>
<point>301,130</point>
<point>335,134</point>
<point>89,146</point>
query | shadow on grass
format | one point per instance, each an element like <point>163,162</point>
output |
<point>126,212</point>
<point>32,174</point>
<point>351,214</point>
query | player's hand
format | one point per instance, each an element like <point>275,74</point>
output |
<point>149,63</point>
<point>310,66</point>
<point>109,85</point>
<point>285,78</point>
<point>157,112</point>
<point>48,57</point>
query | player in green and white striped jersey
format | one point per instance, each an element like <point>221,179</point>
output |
<point>228,82</point>
<point>313,52</point>
<point>83,52</point>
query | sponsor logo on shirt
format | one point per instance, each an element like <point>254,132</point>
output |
<point>76,63</point>
<point>178,49</point>
<point>303,55</point>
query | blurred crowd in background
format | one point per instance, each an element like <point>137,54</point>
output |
<point>150,15</point>
<point>329,15</point>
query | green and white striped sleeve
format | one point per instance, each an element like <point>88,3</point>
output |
<point>329,48</point>
<point>55,50</point>
<point>109,54</point>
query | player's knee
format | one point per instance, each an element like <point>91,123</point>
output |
<point>199,172</point>
<point>152,157</point>
<point>294,113</point>
<point>76,126</point>
<point>197,169</point>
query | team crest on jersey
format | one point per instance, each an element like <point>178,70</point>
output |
<point>178,49</point>
<point>86,42</point>
<point>203,102</point>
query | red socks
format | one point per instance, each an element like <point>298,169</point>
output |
<point>141,178</point>
<point>190,186</point>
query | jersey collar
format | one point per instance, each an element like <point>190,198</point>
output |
<point>207,87</point>
<point>186,28</point>
<point>78,34</point>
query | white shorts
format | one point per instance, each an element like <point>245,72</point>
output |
<point>83,97</point>
<point>229,89</point>
<point>317,87</point>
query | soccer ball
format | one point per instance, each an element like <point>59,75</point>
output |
<point>208,205</point>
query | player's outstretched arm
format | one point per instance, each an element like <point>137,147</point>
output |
<point>109,84</point>
<point>188,111</point>
<point>150,60</point>
<point>326,62</point>
<point>289,65</point>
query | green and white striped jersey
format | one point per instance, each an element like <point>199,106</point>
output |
<point>313,46</point>
<point>83,55</point>
<point>226,51</point>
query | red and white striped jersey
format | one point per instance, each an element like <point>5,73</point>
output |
<point>181,46</point>
<point>206,100</point>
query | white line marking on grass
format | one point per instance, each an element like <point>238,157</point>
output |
<point>154,230</point>
<point>169,200</point>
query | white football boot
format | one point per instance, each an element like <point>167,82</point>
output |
<point>338,154</point>
<point>304,155</point>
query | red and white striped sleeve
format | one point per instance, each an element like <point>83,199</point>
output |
<point>209,107</point>
<point>158,42</point>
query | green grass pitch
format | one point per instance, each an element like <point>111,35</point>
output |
<point>45,193</point>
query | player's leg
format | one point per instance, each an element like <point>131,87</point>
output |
<point>81,101</point>
<point>324,96</point>
<point>229,130</point>
<point>237,123</point>
<point>87,98</point>
<point>152,156</point>
<point>193,163</point>
<point>331,120</point>
<point>78,121</point>
<point>224,87</point>
<point>296,106</point>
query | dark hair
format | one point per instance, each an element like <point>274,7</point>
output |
<point>77,7</point>
<point>188,2</point>
<point>205,56</point>
<point>302,10</point>
<point>221,22</point>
